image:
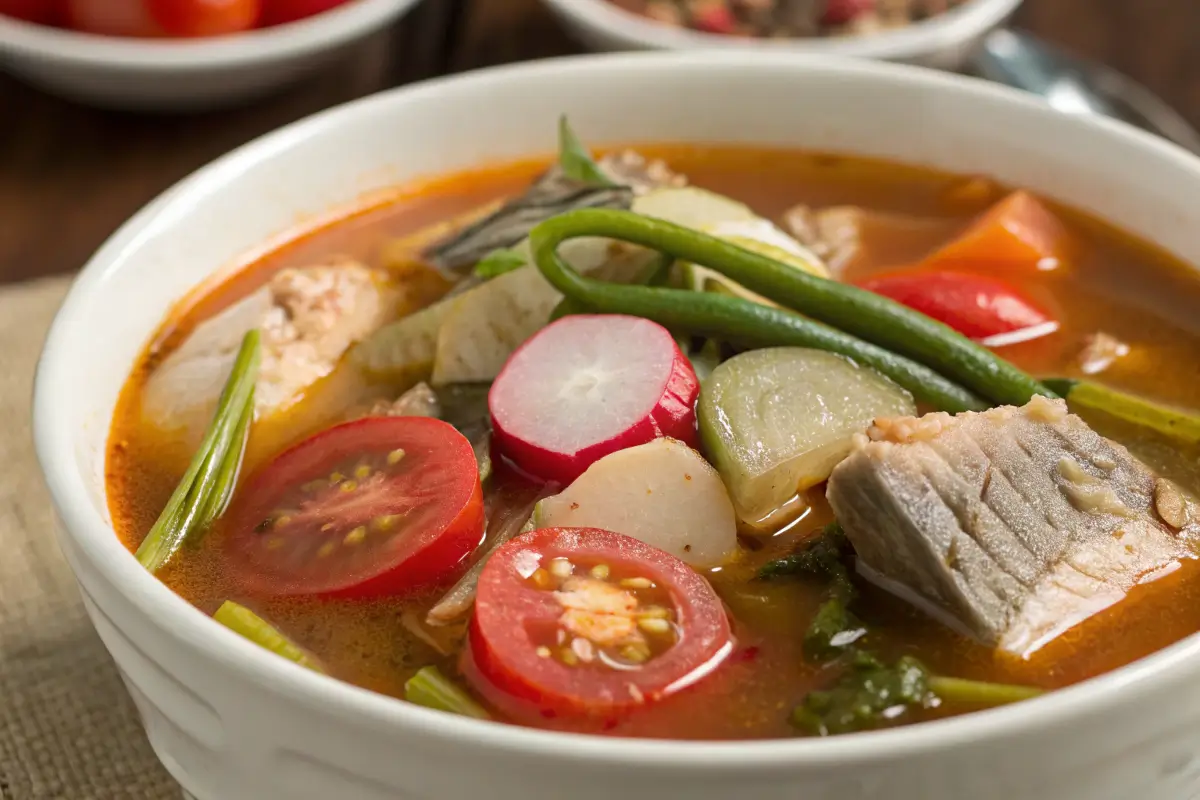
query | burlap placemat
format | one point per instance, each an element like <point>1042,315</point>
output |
<point>68,730</point>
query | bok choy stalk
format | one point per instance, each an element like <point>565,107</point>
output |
<point>204,491</point>
<point>432,689</point>
<point>249,625</point>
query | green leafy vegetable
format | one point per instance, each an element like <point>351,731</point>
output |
<point>871,694</point>
<point>866,696</point>
<point>499,262</point>
<point>832,630</point>
<point>246,623</point>
<point>432,689</point>
<point>576,162</point>
<point>204,491</point>
<point>823,557</point>
<point>926,357</point>
<point>1174,423</point>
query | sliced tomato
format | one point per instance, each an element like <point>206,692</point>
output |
<point>193,18</point>
<point>278,12</point>
<point>112,17</point>
<point>582,621</point>
<point>974,305</point>
<point>380,506</point>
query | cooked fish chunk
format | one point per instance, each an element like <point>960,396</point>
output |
<point>1010,525</point>
<point>308,316</point>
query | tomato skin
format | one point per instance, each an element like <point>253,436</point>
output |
<point>280,12</point>
<point>974,305</point>
<point>42,12</point>
<point>112,18</point>
<point>294,529</point>
<point>502,658</point>
<point>195,18</point>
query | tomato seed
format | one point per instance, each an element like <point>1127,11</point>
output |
<point>561,568</point>
<point>394,457</point>
<point>541,579</point>
<point>355,536</point>
<point>384,523</point>
<point>280,521</point>
<point>275,542</point>
<point>348,486</point>
<point>654,625</point>
<point>327,527</point>
<point>326,550</point>
<point>335,478</point>
<point>637,583</point>
<point>635,653</point>
<point>600,572</point>
<point>584,649</point>
<point>655,612</point>
<point>363,472</point>
<point>568,657</point>
<point>543,652</point>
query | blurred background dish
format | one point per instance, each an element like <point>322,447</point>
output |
<point>180,54</point>
<point>937,33</point>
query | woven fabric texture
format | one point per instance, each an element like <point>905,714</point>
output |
<point>68,730</point>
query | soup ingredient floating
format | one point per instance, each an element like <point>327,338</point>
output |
<point>983,308</point>
<point>662,492</point>
<point>246,623</point>
<point>775,422</point>
<point>204,492</point>
<point>376,507</point>
<point>1012,525</point>
<point>430,688</point>
<point>587,386</point>
<point>926,356</point>
<point>582,621</point>
<point>1018,234</point>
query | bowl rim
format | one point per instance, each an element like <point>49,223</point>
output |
<point>84,529</point>
<point>911,41</point>
<point>320,32</point>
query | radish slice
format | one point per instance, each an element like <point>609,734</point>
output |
<point>663,493</point>
<point>587,386</point>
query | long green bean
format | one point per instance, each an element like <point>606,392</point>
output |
<point>929,348</point>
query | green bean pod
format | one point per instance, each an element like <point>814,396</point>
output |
<point>877,321</point>
<point>747,324</point>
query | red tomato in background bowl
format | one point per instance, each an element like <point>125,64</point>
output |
<point>192,18</point>
<point>279,12</point>
<point>112,17</point>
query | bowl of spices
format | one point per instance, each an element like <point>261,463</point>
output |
<point>937,33</point>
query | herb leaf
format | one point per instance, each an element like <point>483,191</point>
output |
<point>822,558</point>
<point>869,694</point>
<point>576,162</point>
<point>498,262</point>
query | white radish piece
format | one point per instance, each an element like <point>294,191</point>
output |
<point>663,493</point>
<point>587,386</point>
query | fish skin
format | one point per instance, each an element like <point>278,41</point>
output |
<point>1010,525</point>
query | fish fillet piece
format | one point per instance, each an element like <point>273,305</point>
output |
<point>1010,525</point>
<point>309,317</point>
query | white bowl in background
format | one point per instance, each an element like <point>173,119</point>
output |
<point>232,721</point>
<point>186,74</point>
<point>943,41</point>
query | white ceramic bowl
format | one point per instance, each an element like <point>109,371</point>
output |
<point>234,722</point>
<point>186,74</point>
<point>943,41</point>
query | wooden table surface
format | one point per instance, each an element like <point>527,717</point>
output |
<point>70,175</point>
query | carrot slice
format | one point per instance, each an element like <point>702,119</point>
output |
<point>1017,232</point>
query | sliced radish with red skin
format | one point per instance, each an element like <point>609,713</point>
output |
<point>576,622</point>
<point>840,12</point>
<point>587,386</point>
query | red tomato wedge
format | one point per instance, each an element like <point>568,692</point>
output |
<point>376,507</point>
<point>582,621</point>
<point>194,18</point>
<point>112,17</point>
<point>587,386</point>
<point>974,305</point>
<point>1017,232</point>
<point>278,12</point>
